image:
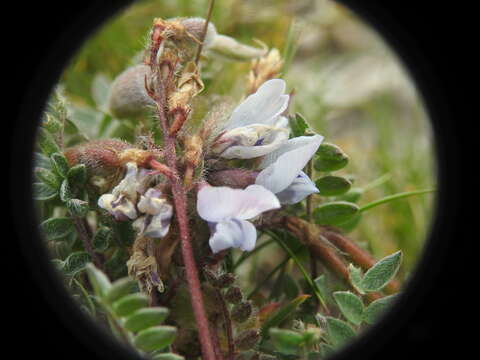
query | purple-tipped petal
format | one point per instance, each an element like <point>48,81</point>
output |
<point>261,107</point>
<point>215,204</point>
<point>233,233</point>
<point>298,190</point>
<point>282,166</point>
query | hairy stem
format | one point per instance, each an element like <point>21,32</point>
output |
<point>85,234</point>
<point>180,203</point>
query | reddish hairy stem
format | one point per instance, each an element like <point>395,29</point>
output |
<point>180,201</point>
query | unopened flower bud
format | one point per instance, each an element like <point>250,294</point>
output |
<point>195,27</point>
<point>127,96</point>
<point>241,312</point>
<point>247,339</point>
<point>234,295</point>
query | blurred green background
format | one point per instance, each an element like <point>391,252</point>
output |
<point>349,84</point>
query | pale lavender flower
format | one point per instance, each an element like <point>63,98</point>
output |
<point>158,214</point>
<point>282,169</point>
<point>227,210</point>
<point>256,126</point>
<point>121,202</point>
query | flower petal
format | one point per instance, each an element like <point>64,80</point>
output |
<point>261,107</point>
<point>233,233</point>
<point>251,141</point>
<point>281,167</point>
<point>215,204</point>
<point>298,190</point>
<point>152,202</point>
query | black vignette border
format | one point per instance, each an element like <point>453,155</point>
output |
<point>42,41</point>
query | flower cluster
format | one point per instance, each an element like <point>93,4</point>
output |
<point>256,129</point>
<point>133,199</point>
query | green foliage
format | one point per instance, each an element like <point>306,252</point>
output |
<point>375,309</point>
<point>332,185</point>
<point>335,213</point>
<point>77,175</point>
<point>350,305</point>
<point>77,207</point>
<point>47,143</point>
<point>43,192</point>
<point>76,262</point>
<point>298,125</point>
<point>330,158</point>
<point>286,341</point>
<point>57,228</point>
<point>339,332</point>
<point>381,273</point>
<point>129,315</point>
<point>60,164</point>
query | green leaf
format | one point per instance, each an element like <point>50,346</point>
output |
<point>145,318</point>
<point>130,303</point>
<point>42,191</point>
<point>56,228</point>
<point>124,232</point>
<point>167,356</point>
<point>286,341</point>
<point>41,161</point>
<point>77,207</point>
<point>60,164</point>
<point>335,213</point>
<point>350,305</point>
<point>332,185</point>
<point>86,119</point>
<point>377,308</point>
<point>355,275</point>
<point>339,332</point>
<point>330,158</point>
<point>98,280</point>
<point>47,143</point>
<point>382,272</point>
<point>281,314</point>
<point>120,288</point>
<point>77,175</point>
<point>47,177</point>
<point>102,239</point>
<point>76,262</point>
<point>65,191</point>
<point>155,338</point>
<point>298,125</point>
<point>52,124</point>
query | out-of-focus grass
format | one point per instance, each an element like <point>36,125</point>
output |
<point>349,87</point>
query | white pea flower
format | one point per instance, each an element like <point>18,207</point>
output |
<point>227,210</point>
<point>256,126</point>
<point>158,214</point>
<point>282,169</point>
<point>121,202</point>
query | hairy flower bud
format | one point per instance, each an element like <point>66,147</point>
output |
<point>247,339</point>
<point>195,27</point>
<point>262,69</point>
<point>127,96</point>
<point>241,312</point>
<point>234,178</point>
<point>100,157</point>
<point>234,295</point>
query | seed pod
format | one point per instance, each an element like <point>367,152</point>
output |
<point>241,312</point>
<point>127,96</point>
<point>247,339</point>
<point>234,295</point>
